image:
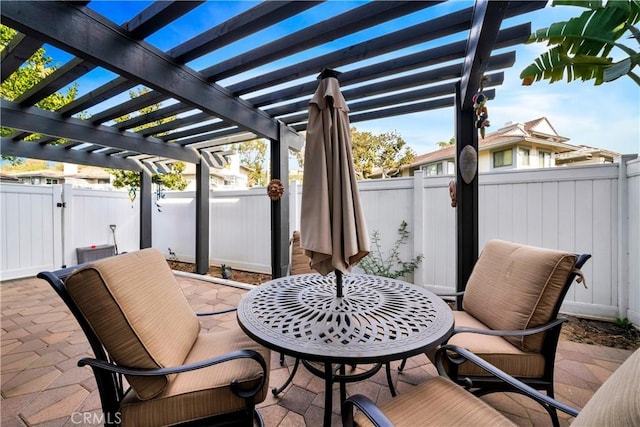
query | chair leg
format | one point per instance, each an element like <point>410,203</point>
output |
<point>277,391</point>
<point>554,416</point>
<point>553,413</point>
<point>281,359</point>
<point>257,418</point>
<point>390,380</point>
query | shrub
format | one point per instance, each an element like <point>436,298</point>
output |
<point>390,266</point>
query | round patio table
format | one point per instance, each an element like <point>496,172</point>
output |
<point>378,320</point>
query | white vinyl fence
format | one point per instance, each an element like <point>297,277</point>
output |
<point>593,209</point>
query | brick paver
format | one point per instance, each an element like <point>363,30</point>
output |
<point>41,384</point>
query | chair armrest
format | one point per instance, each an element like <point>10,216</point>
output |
<point>458,355</point>
<point>520,333</point>
<point>239,354</point>
<point>367,407</point>
<point>213,313</point>
<point>112,367</point>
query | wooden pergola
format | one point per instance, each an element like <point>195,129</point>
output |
<point>439,73</point>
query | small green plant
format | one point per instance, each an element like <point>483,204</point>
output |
<point>623,323</point>
<point>390,266</point>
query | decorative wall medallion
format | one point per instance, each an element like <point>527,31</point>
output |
<point>275,190</point>
<point>468,162</point>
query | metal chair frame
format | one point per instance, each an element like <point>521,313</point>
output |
<point>482,385</point>
<point>109,376</point>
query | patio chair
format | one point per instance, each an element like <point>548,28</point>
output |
<point>509,315</point>
<point>440,401</point>
<point>140,327</point>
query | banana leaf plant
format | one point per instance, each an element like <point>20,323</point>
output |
<point>580,47</point>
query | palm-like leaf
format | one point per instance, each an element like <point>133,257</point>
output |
<point>581,45</point>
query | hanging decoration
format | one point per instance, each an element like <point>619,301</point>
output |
<point>468,163</point>
<point>275,190</point>
<point>159,195</point>
<point>452,193</point>
<point>132,195</point>
<point>479,105</point>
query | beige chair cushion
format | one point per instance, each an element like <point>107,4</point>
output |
<point>515,287</point>
<point>138,311</point>
<point>617,401</point>
<point>197,394</point>
<point>495,350</point>
<point>438,402</point>
<point>299,261</point>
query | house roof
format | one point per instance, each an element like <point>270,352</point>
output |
<point>223,91</point>
<point>9,179</point>
<point>86,172</point>
<point>539,131</point>
<point>583,153</point>
<point>44,173</point>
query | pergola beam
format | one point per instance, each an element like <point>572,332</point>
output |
<point>487,18</point>
<point>55,81</point>
<point>347,23</point>
<point>255,19</point>
<point>426,31</point>
<point>112,49</point>
<point>55,125</point>
<point>54,153</point>
<point>19,49</point>
<point>157,15</point>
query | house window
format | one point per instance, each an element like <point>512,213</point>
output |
<point>433,169</point>
<point>544,159</point>
<point>451,168</point>
<point>51,181</point>
<point>502,158</point>
<point>523,153</point>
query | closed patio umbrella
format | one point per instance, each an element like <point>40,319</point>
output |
<point>332,228</point>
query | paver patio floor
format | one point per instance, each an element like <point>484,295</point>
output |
<point>41,384</point>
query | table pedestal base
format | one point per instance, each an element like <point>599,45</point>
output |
<point>335,373</point>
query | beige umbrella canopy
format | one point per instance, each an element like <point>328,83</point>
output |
<point>333,231</point>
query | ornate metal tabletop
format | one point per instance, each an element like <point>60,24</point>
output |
<point>377,320</point>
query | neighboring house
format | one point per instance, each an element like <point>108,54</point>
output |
<point>534,144</point>
<point>233,176</point>
<point>86,177</point>
<point>4,178</point>
<point>586,155</point>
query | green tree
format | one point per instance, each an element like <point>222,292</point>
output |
<point>28,165</point>
<point>298,174</point>
<point>386,152</point>
<point>172,180</point>
<point>443,144</point>
<point>253,155</point>
<point>580,47</point>
<point>34,70</point>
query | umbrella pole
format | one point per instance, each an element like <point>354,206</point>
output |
<point>339,283</point>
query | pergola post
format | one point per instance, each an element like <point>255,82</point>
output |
<point>202,217</point>
<point>466,197</point>
<point>485,26</point>
<point>145,209</point>
<point>280,208</point>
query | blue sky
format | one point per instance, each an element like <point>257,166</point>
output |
<point>606,116</point>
